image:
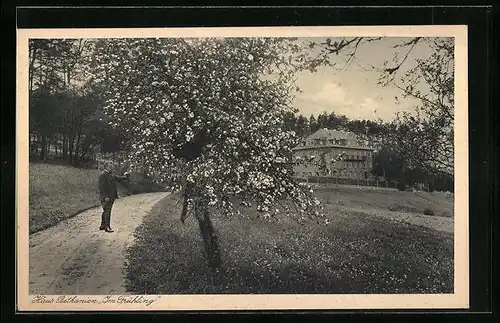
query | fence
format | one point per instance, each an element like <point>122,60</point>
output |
<point>350,181</point>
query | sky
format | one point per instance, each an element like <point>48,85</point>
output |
<point>353,91</point>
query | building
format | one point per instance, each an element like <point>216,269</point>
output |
<point>333,153</point>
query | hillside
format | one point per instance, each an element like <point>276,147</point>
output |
<point>57,192</point>
<point>365,248</point>
<point>386,199</point>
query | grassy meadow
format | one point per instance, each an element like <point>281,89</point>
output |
<point>356,252</point>
<point>57,192</point>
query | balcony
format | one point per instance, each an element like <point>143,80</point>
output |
<point>355,158</point>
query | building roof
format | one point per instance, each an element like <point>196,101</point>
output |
<point>331,146</point>
<point>325,133</point>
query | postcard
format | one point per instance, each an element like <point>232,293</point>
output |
<point>249,168</point>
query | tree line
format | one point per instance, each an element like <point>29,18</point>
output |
<point>66,118</point>
<point>304,126</point>
<point>388,161</point>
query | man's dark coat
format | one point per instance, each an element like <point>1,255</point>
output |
<point>107,185</point>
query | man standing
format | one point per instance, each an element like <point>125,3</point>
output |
<point>108,194</point>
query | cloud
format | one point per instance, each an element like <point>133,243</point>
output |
<point>331,97</point>
<point>369,104</point>
<point>330,94</point>
<point>355,99</point>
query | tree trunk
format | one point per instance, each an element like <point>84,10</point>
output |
<point>68,76</point>
<point>210,243</point>
<point>43,148</point>
<point>71,130</point>
<point>64,147</point>
<point>78,149</point>
<point>32,143</point>
<point>70,149</point>
<point>58,146</point>
<point>31,69</point>
<point>37,144</point>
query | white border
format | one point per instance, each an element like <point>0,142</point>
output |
<point>460,297</point>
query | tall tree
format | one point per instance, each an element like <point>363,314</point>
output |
<point>302,126</point>
<point>322,120</point>
<point>334,121</point>
<point>60,67</point>
<point>425,137</point>
<point>204,114</point>
<point>313,124</point>
<point>44,84</point>
<point>289,122</point>
<point>45,116</point>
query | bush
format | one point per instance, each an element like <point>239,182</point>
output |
<point>144,186</point>
<point>402,208</point>
<point>429,212</point>
<point>394,207</point>
<point>446,214</point>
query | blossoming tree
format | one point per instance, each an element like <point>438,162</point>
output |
<point>207,115</point>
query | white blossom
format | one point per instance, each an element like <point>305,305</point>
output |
<point>212,85</point>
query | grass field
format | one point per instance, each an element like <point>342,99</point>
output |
<point>58,191</point>
<point>355,253</point>
<point>387,199</point>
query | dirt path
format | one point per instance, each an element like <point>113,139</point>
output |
<point>75,257</point>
